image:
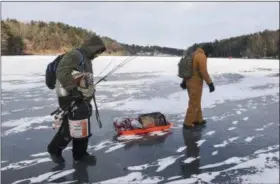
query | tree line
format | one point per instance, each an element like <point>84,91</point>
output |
<point>263,44</point>
<point>38,37</point>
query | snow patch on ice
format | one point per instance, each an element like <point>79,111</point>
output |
<point>23,124</point>
<point>233,139</point>
<point>133,178</point>
<point>200,142</point>
<point>245,118</point>
<point>48,177</point>
<point>231,128</point>
<point>115,147</point>
<point>249,139</point>
<point>174,178</point>
<point>42,127</point>
<point>270,148</point>
<point>25,163</point>
<point>210,133</point>
<point>129,137</point>
<point>162,164</point>
<point>261,164</point>
<point>234,122</point>
<point>190,160</point>
<point>179,150</point>
<point>221,145</point>
<point>158,133</point>
<point>214,153</point>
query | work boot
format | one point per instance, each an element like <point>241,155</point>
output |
<point>87,159</point>
<point>56,158</point>
<point>202,122</point>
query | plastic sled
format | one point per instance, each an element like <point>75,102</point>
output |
<point>145,130</point>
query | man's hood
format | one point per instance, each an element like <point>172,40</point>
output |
<point>92,46</point>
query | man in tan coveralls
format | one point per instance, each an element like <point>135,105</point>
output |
<point>194,87</point>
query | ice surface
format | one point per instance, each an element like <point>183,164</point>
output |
<point>31,76</point>
<point>34,68</point>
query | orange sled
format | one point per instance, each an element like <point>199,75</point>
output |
<point>146,130</point>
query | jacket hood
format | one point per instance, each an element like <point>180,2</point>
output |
<point>199,50</point>
<point>92,46</point>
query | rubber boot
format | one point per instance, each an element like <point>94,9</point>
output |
<point>203,122</point>
<point>187,126</point>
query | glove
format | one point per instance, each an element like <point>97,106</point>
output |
<point>183,84</point>
<point>211,87</point>
<point>75,93</point>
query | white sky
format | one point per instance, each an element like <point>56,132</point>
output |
<point>160,23</point>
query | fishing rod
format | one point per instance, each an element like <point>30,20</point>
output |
<point>115,69</point>
<point>105,68</point>
<point>103,79</point>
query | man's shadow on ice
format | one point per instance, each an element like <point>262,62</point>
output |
<point>191,162</point>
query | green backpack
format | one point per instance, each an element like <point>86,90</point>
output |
<point>185,67</point>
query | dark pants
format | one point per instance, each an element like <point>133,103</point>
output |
<point>62,138</point>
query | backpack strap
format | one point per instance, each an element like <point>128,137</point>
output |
<point>82,64</point>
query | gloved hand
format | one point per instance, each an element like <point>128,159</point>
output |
<point>211,87</point>
<point>75,93</point>
<point>183,84</point>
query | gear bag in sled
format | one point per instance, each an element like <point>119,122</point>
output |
<point>144,123</point>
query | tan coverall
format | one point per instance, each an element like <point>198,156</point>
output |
<point>195,86</point>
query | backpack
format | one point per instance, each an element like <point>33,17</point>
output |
<point>185,67</point>
<point>50,76</point>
